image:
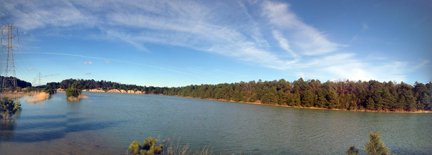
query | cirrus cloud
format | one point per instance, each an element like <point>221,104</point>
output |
<point>288,44</point>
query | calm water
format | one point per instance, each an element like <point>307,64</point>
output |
<point>106,123</point>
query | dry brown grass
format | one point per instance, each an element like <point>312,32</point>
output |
<point>37,97</point>
<point>185,150</point>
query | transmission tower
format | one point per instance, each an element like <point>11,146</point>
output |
<point>8,35</point>
<point>40,79</point>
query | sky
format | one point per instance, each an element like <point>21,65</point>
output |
<point>177,43</point>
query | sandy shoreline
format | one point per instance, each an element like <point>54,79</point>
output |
<point>122,91</point>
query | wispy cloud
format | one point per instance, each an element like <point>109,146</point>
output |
<point>34,15</point>
<point>307,39</point>
<point>270,35</point>
<point>88,62</point>
<point>103,59</point>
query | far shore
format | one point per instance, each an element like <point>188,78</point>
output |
<point>312,108</point>
<point>122,91</point>
<point>15,95</point>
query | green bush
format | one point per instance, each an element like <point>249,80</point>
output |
<point>50,90</point>
<point>149,147</point>
<point>8,108</point>
<point>73,91</point>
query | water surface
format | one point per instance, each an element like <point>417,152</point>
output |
<point>106,123</point>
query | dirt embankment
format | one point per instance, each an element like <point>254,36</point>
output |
<point>115,91</point>
<point>30,97</point>
<point>14,95</point>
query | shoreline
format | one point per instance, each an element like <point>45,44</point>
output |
<point>116,91</point>
<point>309,108</point>
<point>119,91</point>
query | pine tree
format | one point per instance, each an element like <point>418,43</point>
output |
<point>370,104</point>
<point>307,99</point>
<point>375,146</point>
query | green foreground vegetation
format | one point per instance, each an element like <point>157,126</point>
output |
<point>8,108</point>
<point>151,147</point>
<point>374,147</point>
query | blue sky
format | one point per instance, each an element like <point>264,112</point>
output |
<point>176,43</point>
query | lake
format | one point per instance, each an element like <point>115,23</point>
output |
<point>105,123</point>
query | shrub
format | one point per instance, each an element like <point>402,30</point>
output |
<point>8,108</point>
<point>73,91</point>
<point>149,147</point>
<point>352,151</point>
<point>49,90</point>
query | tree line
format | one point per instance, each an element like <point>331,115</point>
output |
<point>349,95</point>
<point>104,85</point>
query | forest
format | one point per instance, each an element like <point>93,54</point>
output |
<point>105,85</point>
<point>8,82</point>
<point>361,95</point>
<point>350,95</point>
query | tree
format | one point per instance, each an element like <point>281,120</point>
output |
<point>375,146</point>
<point>308,98</point>
<point>73,91</point>
<point>422,95</point>
<point>321,98</point>
<point>388,99</point>
<point>406,97</point>
<point>370,104</point>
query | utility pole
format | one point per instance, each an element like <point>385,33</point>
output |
<point>39,80</point>
<point>8,34</point>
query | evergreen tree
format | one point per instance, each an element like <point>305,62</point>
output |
<point>370,104</point>
<point>422,95</point>
<point>406,97</point>
<point>308,98</point>
<point>375,146</point>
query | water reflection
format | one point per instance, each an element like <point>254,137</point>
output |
<point>7,126</point>
<point>6,129</point>
<point>99,122</point>
<point>37,128</point>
